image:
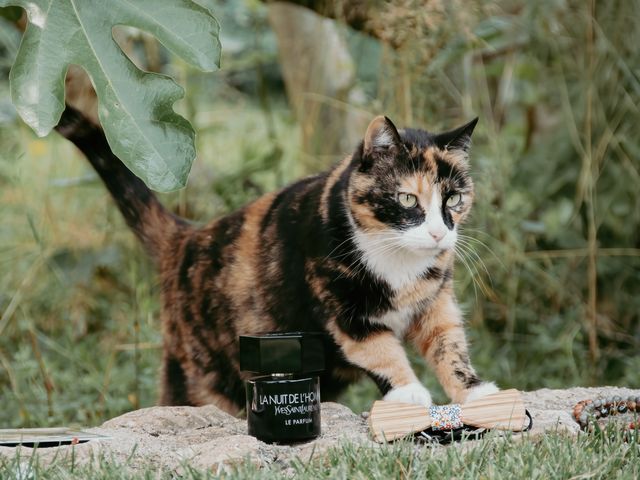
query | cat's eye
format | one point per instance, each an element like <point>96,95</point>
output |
<point>454,200</point>
<point>407,200</point>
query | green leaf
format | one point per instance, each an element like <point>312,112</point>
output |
<point>135,107</point>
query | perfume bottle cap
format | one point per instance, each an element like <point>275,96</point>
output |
<point>282,352</point>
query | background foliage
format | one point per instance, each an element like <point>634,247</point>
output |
<point>135,106</point>
<point>550,265</point>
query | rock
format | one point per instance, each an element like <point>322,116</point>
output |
<point>221,452</point>
<point>156,421</point>
<point>208,438</point>
<point>205,437</point>
<point>552,409</point>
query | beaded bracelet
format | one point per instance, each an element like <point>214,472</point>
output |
<point>587,411</point>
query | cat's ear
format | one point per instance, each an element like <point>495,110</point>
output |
<point>381,136</point>
<point>458,139</point>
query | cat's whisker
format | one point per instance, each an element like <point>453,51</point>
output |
<point>472,242</point>
<point>347,270</point>
<point>475,239</point>
<point>469,247</point>
<point>350,237</point>
<point>482,263</point>
<point>387,235</point>
<point>475,273</point>
<point>468,253</point>
<point>381,248</point>
<point>476,277</point>
<point>460,255</point>
<point>480,242</point>
<point>348,252</point>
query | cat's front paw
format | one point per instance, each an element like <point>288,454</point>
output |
<point>410,393</point>
<point>479,391</point>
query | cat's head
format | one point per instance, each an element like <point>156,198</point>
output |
<point>411,189</point>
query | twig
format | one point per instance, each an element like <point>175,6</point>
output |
<point>48,382</point>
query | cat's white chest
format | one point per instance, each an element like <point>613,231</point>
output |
<point>397,320</point>
<point>397,266</point>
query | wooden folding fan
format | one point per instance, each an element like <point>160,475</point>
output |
<point>503,410</point>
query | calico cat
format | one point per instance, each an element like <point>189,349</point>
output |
<point>364,252</point>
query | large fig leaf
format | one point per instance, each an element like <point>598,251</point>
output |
<point>135,107</point>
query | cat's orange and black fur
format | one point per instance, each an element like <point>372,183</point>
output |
<point>313,257</point>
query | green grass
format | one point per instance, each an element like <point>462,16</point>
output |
<point>552,456</point>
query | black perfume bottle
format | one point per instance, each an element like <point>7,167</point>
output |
<point>283,401</point>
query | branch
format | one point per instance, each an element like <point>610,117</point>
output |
<point>362,15</point>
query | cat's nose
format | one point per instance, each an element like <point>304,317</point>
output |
<point>437,234</point>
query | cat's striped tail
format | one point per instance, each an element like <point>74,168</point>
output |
<point>151,222</point>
